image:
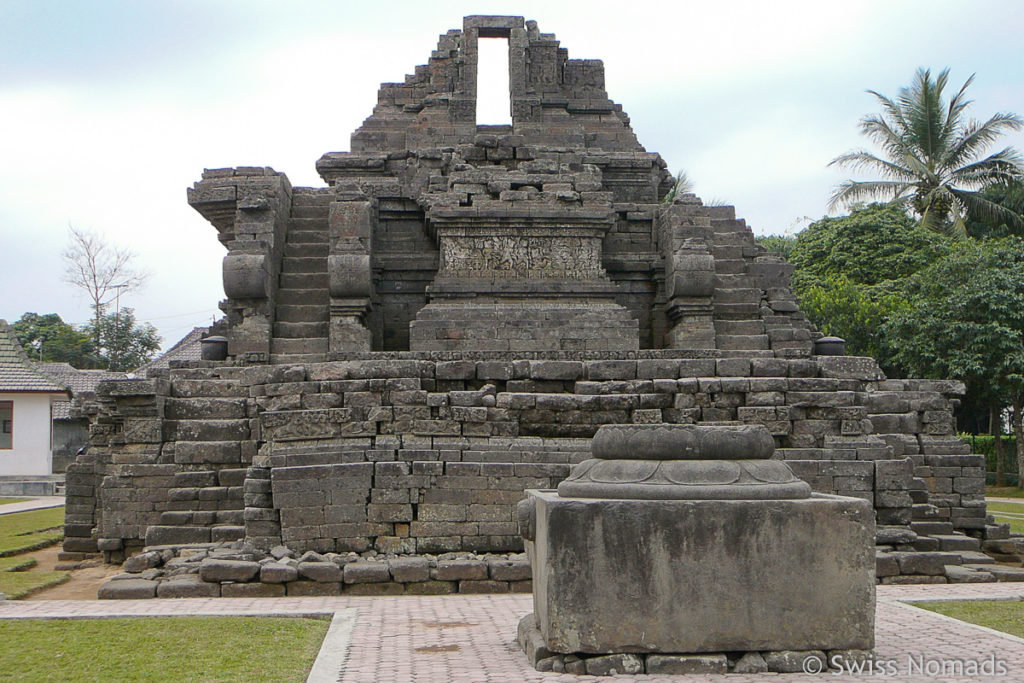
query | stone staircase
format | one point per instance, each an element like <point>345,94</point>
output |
<point>303,304</point>
<point>941,553</point>
<point>753,307</point>
<point>738,323</point>
<point>940,535</point>
<point>209,420</point>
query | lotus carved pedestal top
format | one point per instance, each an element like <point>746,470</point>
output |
<point>683,462</point>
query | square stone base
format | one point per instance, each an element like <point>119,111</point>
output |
<point>688,576</point>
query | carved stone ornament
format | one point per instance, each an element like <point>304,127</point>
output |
<point>543,254</point>
<point>683,462</point>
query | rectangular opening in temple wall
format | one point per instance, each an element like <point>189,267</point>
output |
<point>493,100</point>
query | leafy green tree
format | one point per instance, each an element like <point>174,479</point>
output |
<point>873,244</point>
<point>849,271</point>
<point>966,321</point>
<point>47,338</point>
<point>932,156</point>
<point>124,344</point>
<point>838,306</point>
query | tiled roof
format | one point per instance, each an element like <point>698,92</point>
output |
<point>76,380</point>
<point>188,348</point>
<point>17,372</point>
<point>60,410</point>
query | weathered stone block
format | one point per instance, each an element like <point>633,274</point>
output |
<point>611,370</point>
<point>142,561</point>
<point>371,589</point>
<point>366,572</point>
<point>680,665</point>
<point>252,590</point>
<point>215,570</point>
<point>509,570</point>
<point>556,369</point>
<point>750,663</point>
<point>431,588</point>
<point>175,535</point>
<point>929,564</point>
<point>733,367</point>
<point>483,586</point>
<point>695,565</point>
<point>495,370</point>
<point>614,665</point>
<point>460,570</point>
<point>789,661</point>
<point>274,572</point>
<point>409,569</point>
<point>850,367</point>
<point>456,370</point>
<point>312,588</point>
<point>187,586</point>
<point>127,589</point>
<point>320,571</point>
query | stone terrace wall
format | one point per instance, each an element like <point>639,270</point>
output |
<point>430,452</point>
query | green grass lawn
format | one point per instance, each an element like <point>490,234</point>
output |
<point>19,584</point>
<point>1008,512</point>
<point>160,649</point>
<point>4,501</point>
<point>21,532</point>
<point>1004,491</point>
<point>16,564</point>
<point>1002,615</point>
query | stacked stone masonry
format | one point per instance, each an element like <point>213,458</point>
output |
<point>450,319</point>
<point>421,455</point>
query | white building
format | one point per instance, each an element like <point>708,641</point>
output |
<point>26,403</point>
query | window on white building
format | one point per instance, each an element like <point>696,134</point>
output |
<point>6,424</point>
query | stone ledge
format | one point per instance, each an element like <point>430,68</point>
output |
<point>239,570</point>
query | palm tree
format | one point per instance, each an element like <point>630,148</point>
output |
<point>680,186</point>
<point>931,157</point>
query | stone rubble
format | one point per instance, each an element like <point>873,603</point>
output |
<point>787,661</point>
<point>241,570</point>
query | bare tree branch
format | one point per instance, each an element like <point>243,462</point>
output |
<point>99,269</point>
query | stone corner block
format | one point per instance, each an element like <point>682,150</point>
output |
<point>214,570</point>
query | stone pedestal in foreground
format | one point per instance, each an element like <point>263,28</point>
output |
<point>703,546</point>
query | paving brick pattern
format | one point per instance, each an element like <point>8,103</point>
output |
<point>471,637</point>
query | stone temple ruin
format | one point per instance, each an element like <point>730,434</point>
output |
<point>452,317</point>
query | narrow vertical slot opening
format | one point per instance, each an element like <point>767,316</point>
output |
<point>493,99</point>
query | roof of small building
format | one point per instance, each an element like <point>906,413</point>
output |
<point>188,348</point>
<point>76,380</point>
<point>17,372</point>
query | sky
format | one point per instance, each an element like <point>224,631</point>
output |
<point>109,109</point>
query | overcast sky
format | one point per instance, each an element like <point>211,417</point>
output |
<point>109,110</point>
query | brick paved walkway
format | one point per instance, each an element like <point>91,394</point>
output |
<point>470,637</point>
